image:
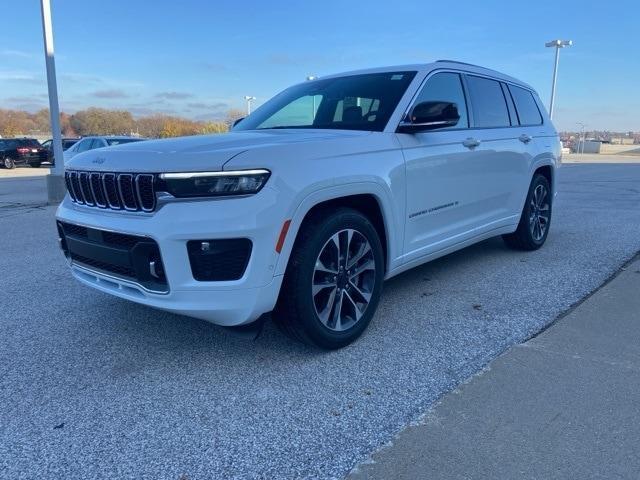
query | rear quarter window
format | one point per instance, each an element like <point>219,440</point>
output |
<point>526,106</point>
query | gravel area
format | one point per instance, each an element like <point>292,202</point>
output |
<point>93,386</point>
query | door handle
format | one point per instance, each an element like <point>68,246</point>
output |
<point>524,138</point>
<point>471,142</point>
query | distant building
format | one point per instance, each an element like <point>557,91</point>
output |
<point>621,140</point>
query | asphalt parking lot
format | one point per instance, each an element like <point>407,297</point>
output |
<point>93,386</point>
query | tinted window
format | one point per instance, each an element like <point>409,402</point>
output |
<point>84,145</point>
<point>29,142</point>
<point>446,87</point>
<point>526,106</point>
<point>489,105</point>
<point>68,144</point>
<point>355,102</point>
<point>512,109</point>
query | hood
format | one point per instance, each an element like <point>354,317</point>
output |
<point>196,153</point>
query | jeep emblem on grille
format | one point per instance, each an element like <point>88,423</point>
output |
<point>99,160</point>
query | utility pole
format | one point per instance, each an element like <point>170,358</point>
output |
<point>55,182</point>
<point>558,44</point>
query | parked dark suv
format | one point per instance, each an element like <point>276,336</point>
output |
<point>21,151</point>
<point>48,145</point>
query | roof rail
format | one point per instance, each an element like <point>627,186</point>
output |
<point>460,63</point>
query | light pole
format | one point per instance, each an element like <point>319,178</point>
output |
<point>55,182</point>
<point>582,136</point>
<point>558,44</point>
<point>249,99</point>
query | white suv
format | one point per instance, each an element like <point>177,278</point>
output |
<point>316,198</point>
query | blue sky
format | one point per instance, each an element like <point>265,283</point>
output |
<point>199,58</point>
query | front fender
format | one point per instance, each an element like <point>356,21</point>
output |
<point>379,192</point>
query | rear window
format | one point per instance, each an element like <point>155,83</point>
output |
<point>526,106</point>
<point>29,142</point>
<point>488,103</point>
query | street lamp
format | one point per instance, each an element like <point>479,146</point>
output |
<point>249,99</point>
<point>558,44</point>
<point>55,182</point>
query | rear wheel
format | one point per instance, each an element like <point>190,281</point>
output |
<point>35,164</point>
<point>333,281</point>
<point>535,220</point>
<point>8,163</point>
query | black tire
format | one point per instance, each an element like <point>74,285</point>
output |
<point>527,236</point>
<point>35,165</point>
<point>8,163</point>
<point>296,311</point>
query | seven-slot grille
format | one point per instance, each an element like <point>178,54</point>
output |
<point>117,191</point>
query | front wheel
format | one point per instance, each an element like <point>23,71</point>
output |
<point>333,280</point>
<point>8,163</point>
<point>35,165</point>
<point>535,220</point>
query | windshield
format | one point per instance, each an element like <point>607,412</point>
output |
<point>356,102</point>
<point>119,141</point>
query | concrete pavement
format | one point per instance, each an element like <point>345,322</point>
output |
<point>92,386</point>
<point>564,405</point>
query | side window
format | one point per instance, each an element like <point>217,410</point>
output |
<point>446,87</point>
<point>488,102</point>
<point>84,145</point>
<point>526,106</point>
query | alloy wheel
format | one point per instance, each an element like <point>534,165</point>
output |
<point>343,280</point>
<point>539,212</point>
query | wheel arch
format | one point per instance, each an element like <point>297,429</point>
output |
<point>369,199</point>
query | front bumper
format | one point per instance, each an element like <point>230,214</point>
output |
<point>235,302</point>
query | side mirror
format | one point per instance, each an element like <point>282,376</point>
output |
<point>237,121</point>
<point>430,116</point>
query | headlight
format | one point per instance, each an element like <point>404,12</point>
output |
<point>210,184</point>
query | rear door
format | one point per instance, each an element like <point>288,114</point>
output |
<point>503,154</point>
<point>531,130</point>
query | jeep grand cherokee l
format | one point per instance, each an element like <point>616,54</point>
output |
<point>316,198</point>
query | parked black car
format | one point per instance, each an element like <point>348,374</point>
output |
<point>48,145</point>
<point>21,151</point>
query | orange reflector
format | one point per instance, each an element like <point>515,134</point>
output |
<point>283,235</point>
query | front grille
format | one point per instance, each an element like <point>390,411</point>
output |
<point>106,266</point>
<point>133,192</point>
<point>130,257</point>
